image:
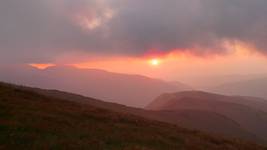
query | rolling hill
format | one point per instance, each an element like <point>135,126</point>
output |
<point>30,120</point>
<point>194,119</point>
<point>242,111</point>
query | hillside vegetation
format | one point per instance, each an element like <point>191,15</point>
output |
<point>33,121</point>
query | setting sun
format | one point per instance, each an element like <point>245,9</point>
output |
<point>154,62</point>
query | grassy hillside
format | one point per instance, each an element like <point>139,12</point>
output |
<point>32,121</point>
<point>210,122</point>
<point>244,111</point>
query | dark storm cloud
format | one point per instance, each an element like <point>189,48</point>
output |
<point>42,30</point>
<point>192,23</point>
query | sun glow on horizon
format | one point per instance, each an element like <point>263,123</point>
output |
<point>42,66</point>
<point>154,62</point>
<point>177,64</point>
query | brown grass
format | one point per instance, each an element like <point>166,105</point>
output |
<point>32,121</point>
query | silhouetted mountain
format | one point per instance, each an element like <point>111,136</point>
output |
<point>242,111</point>
<point>30,120</point>
<point>131,90</point>
<point>208,82</point>
<point>254,87</point>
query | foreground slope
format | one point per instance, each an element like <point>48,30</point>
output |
<point>194,119</point>
<point>34,121</point>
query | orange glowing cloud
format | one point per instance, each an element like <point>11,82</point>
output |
<point>239,58</point>
<point>124,63</point>
<point>152,64</point>
<point>178,64</point>
<point>42,66</point>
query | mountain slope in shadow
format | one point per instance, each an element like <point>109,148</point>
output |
<point>195,119</point>
<point>30,120</point>
<point>238,109</point>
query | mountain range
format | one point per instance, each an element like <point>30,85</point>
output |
<point>214,112</point>
<point>253,87</point>
<point>130,90</point>
<point>242,117</point>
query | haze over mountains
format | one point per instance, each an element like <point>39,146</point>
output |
<point>252,87</point>
<point>208,82</point>
<point>133,74</point>
<point>231,116</point>
<point>131,90</point>
<point>127,89</point>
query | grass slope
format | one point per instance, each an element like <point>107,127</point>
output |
<point>32,121</point>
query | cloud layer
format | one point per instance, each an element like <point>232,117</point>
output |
<point>42,30</point>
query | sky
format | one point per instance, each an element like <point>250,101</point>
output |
<point>168,39</point>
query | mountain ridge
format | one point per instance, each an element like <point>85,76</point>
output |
<point>38,121</point>
<point>113,87</point>
<point>248,116</point>
<point>184,118</point>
